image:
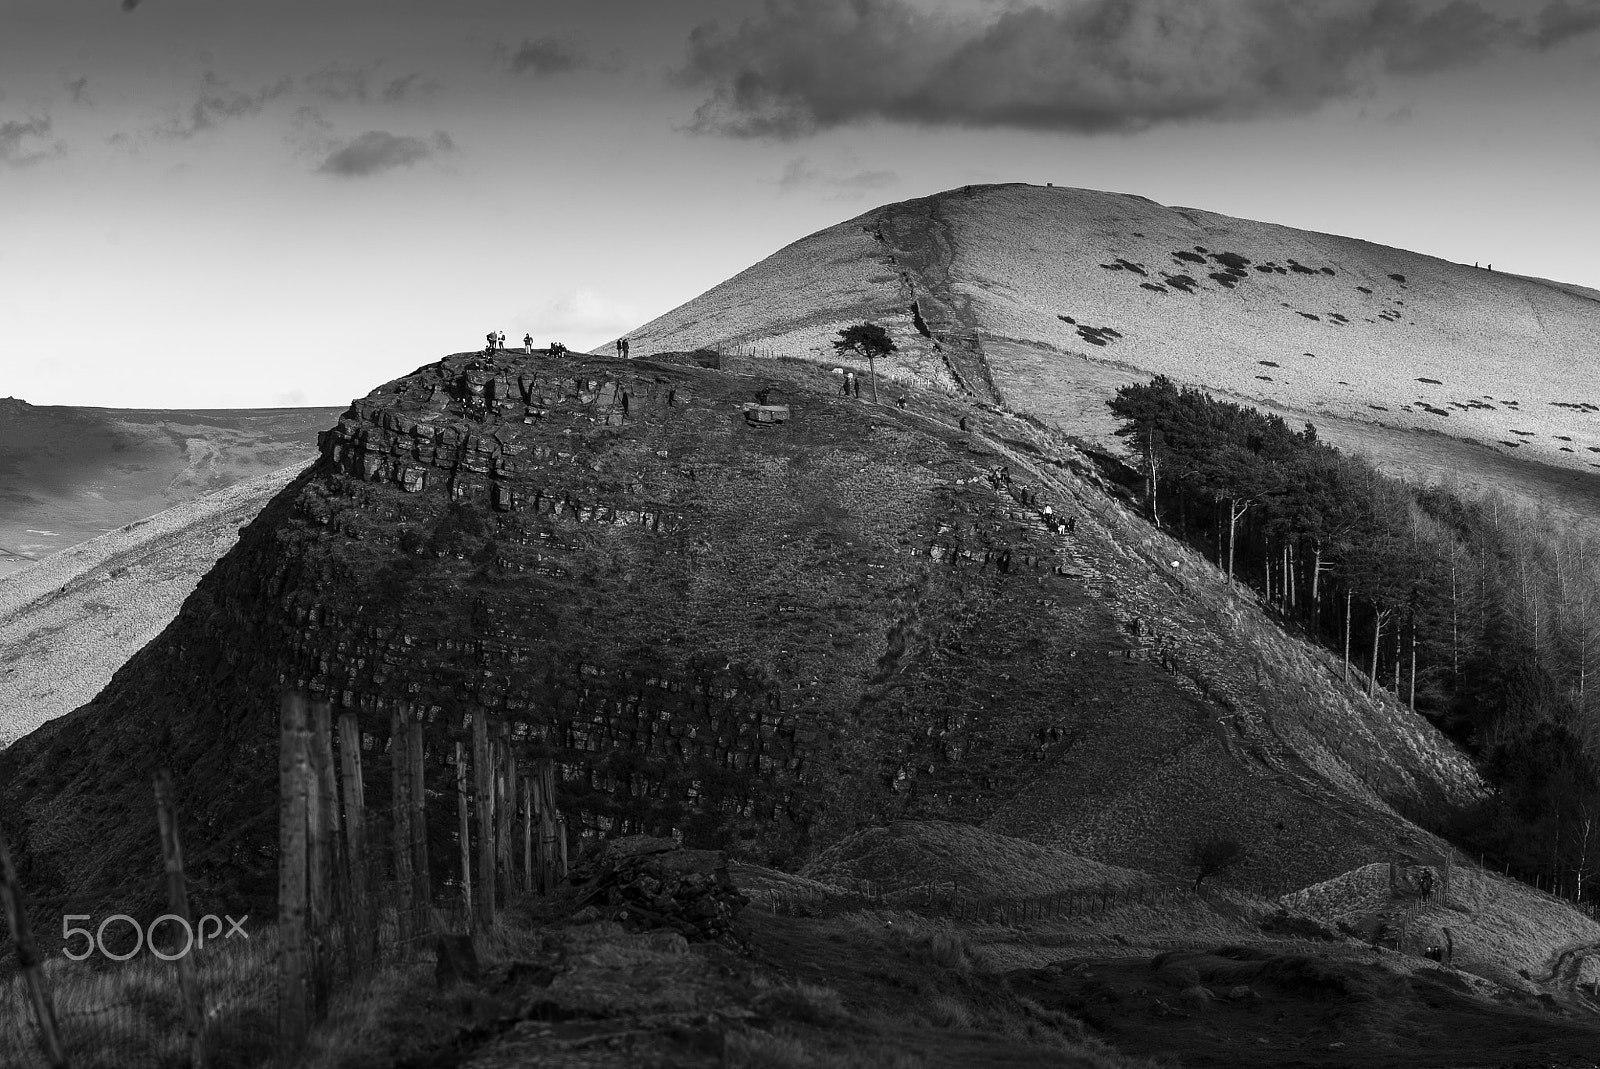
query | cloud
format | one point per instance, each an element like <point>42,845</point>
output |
<point>579,317</point>
<point>1560,22</point>
<point>800,174</point>
<point>1087,66</point>
<point>334,83</point>
<point>79,88</point>
<point>407,87</point>
<point>219,102</point>
<point>377,151</point>
<point>24,142</point>
<point>547,56</point>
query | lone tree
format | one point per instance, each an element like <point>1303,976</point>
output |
<point>868,340</point>
<point>1211,857</point>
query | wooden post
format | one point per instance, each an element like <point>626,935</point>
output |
<point>422,877</point>
<point>463,830</point>
<point>484,784</point>
<point>355,831</point>
<point>44,1010</point>
<point>294,950</point>
<point>400,819</point>
<point>194,1015</point>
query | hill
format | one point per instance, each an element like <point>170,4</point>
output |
<point>70,621</point>
<point>69,474</point>
<point>755,635</point>
<point>1048,299</point>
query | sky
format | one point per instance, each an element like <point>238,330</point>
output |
<point>229,204</point>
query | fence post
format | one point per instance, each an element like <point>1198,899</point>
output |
<point>44,1011</point>
<point>400,823</point>
<point>355,831</point>
<point>194,1014</point>
<point>464,830</point>
<point>421,877</point>
<point>294,788</point>
<point>483,776</point>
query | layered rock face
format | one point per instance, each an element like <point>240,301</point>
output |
<point>747,635</point>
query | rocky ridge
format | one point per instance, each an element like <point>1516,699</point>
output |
<point>748,636</point>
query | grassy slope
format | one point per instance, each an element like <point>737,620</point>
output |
<point>70,621</point>
<point>1007,261</point>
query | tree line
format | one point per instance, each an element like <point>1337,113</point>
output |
<point>1483,617</point>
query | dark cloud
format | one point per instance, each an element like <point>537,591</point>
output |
<point>1561,21</point>
<point>220,102</point>
<point>79,88</point>
<point>338,84</point>
<point>24,142</point>
<point>1090,66</point>
<point>377,151</point>
<point>801,174</point>
<point>547,56</point>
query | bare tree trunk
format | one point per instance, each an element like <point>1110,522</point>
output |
<point>1316,587</point>
<point>483,772</point>
<point>1349,596</point>
<point>1235,511</point>
<point>1413,662</point>
<point>1397,659</point>
<point>194,1012</point>
<point>1379,618</point>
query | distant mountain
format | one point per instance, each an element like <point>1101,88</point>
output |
<point>69,474</point>
<point>1048,299</point>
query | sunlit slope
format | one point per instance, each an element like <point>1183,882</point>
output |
<point>70,621</point>
<point>1313,322</point>
<point>1008,278</point>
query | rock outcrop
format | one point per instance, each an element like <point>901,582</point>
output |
<point>748,637</point>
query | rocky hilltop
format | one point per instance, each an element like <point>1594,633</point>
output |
<point>753,627</point>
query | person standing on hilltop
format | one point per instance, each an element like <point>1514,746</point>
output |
<point>502,339</point>
<point>527,343</point>
<point>488,349</point>
<point>618,347</point>
<point>625,349</point>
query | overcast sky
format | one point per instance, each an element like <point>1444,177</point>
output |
<point>212,203</point>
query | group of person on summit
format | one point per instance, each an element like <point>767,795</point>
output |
<point>497,343</point>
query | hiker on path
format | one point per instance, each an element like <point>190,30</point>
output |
<point>502,339</point>
<point>1072,524</point>
<point>901,402</point>
<point>963,422</point>
<point>844,385</point>
<point>527,343</point>
<point>619,348</point>
<point>624,348</point>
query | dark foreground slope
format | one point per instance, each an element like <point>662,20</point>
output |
<point>759,636</point>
